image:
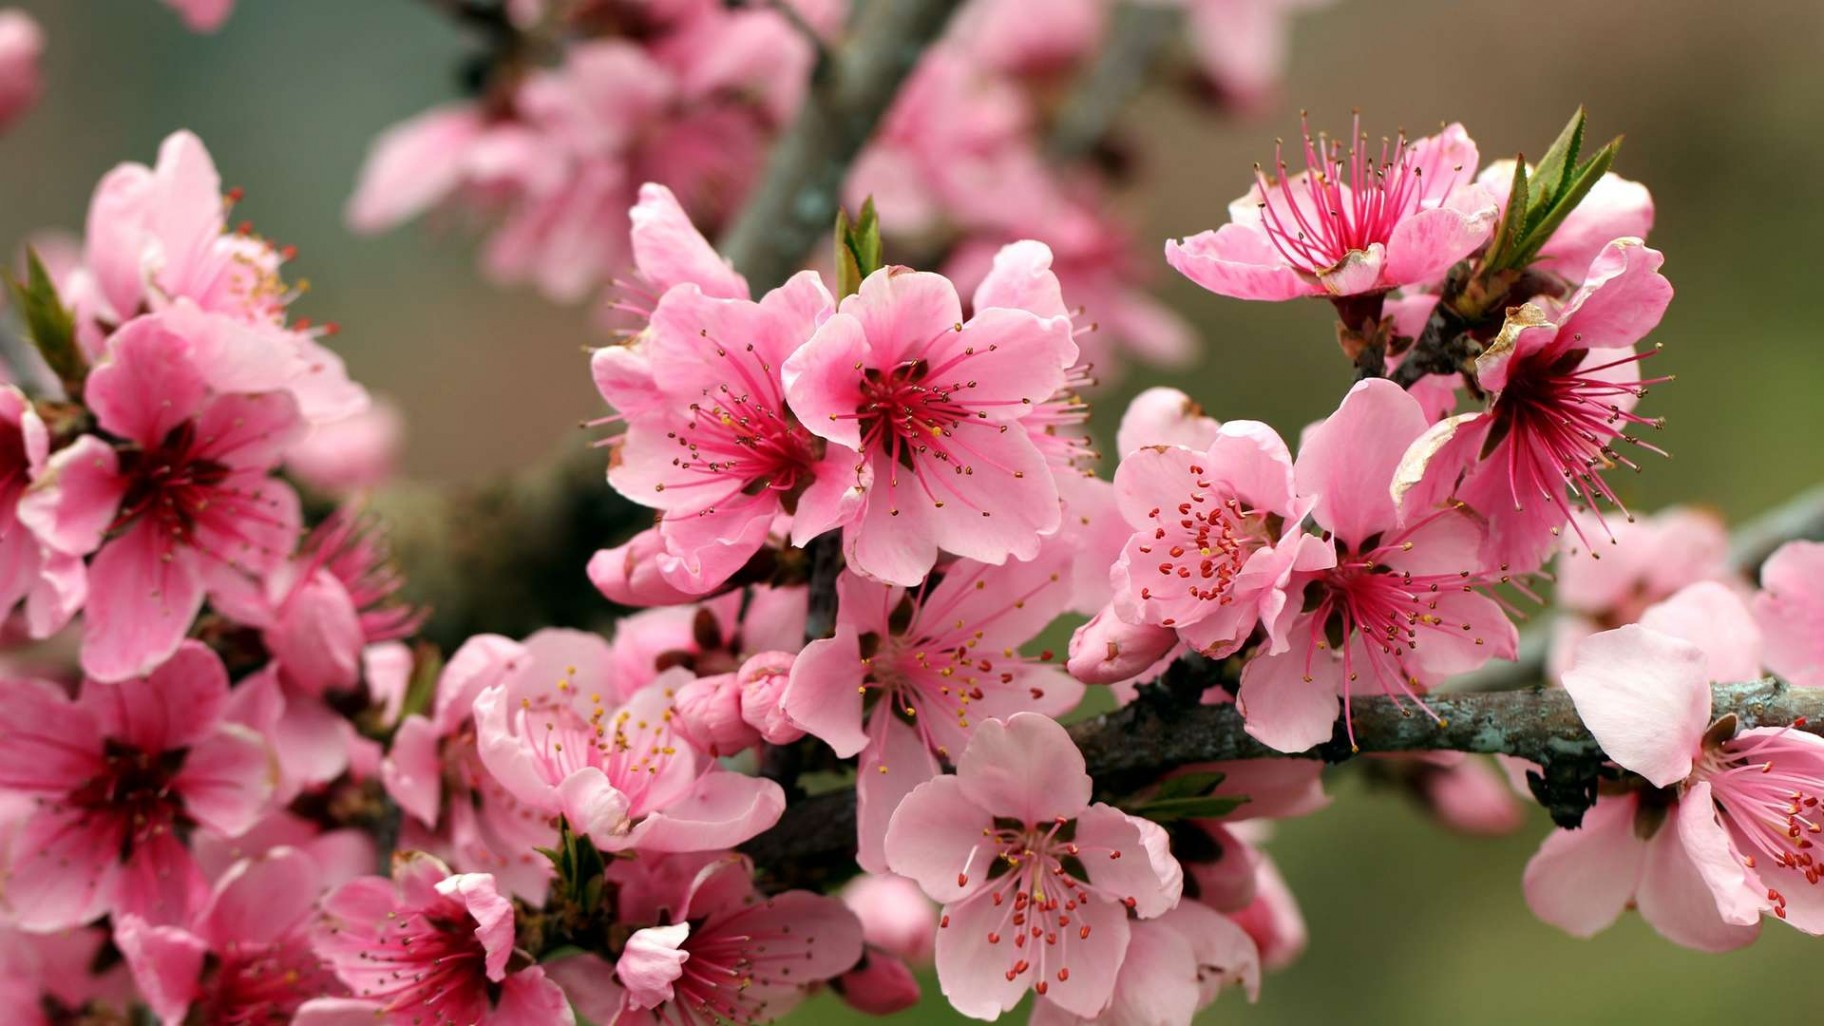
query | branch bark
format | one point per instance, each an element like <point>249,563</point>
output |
<point>850,92</point>
<point>814,843</point>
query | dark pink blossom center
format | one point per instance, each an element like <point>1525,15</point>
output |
<point>734,967</point>
<point>429,964</point>
<point>135,791</point>
<point>180,488</point>
<point>263,985</point>
<point>1201,544</point>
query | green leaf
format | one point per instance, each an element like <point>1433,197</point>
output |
<point>858,249</point>
<point>1557,167</point>
<point>1205,807</point>
<point>427,666</point>
<point>49,323</point>
<point>1582,181</point>
<point>1190,785</point>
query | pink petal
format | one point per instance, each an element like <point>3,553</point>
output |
<point>227,779</point>
<point>821,383</point>
<point>901,311</point>
<point>1346,462</point>
<point>1026,767</point>
<point>974,974</point>
<point>669,250</point>
<point>1622,299</point>
<point>651,962</point>
<point>1130,858</point>
<point>593,806</point>
<point>1164,416</point>
<point>1107,649</point>
<point>140,604</point>
<point>413,772</point>
<point>493,915</point>
<point>1675,896</point>
<point>49,745</point>
<point>74,501</point>
<point>1713,617</point>
<point>1737,892</point>
<point>1790,608</point>
<point>530,998</point>
<point>823,694</point>
<point>166,962</point>
<point>721,810</point>
<point>1424,245</point>
<point>262,899</point>
<point>1022,279</point>
<point>1238,261</point>
<point>935,838</point>
<point>1646,698</point>
<point>412,166</point>
<point>891,767</point>
<point>148,384</point>
<point>1283,709</point>
<point>64,869</point>
<point>1580,880</point>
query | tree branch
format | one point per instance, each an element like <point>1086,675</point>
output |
<point>1140,33</point>
<point>795,204</point>
<point>814,843</point>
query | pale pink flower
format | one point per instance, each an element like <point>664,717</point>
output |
<point>357,453</point>
<point>51,584</point>
<point>1718,833</point>
<point>1004,36</point>
<point>730,953</point>
<point>430,946</point>
<point>1790,610</point>
<point>119,772</point>
<point>1615,208</point>
<point>1036,881</point>
<point>453,806</point>
<point>1403,594</point>
<point>1204,557</point>
<point>157,238</point>
<point>245,957</point>
<point>1273,919</point>
<point>909,675</point>
<point>186,502</point>
<point>1565,383</point>
<point>619,772</point>
<point>1175,967</point>
<point>21,44</point>
<point>934,405</point>
<point>202,15</point>
<point>1242,45</point>
<point>1611,579</point>
<point>1355,222</point>
<point>718,453</point>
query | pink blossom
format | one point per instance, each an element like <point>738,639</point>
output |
<point>1036,882</point>
<point>1176,965</point>
<point>1273,919</point>
<point>1565,382</point>
<point>51,584</point>
<point>621,773</point>
<point>1164,416</point>
<point>187,503</point>
<point>716,636</point>
<point>1718,833</point>
<point>118,771</point>
<point>1466,794</point>
<point>253,933</point>
<point>21,44</point>
<point>1242,45</point>
<point>1004,35</point>
<point>730,953</point>
<point>1401,594</point>
<point>933,405</point>
<point>1353,223</point>
<point>357,453</point>
<point>718,453</point>
<point>1221,862</point>
<point>910,675</point>
<point>202,15</point>
<point>895,915</point>
<point>1790,610</point>
<point>432,946</point>
<point>1614,208</point>
<point>1634,563</point>
<point>157,238</point>
<point>1203,557</point>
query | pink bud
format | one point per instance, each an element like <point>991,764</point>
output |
<point>895,915</point>
<point>880,985</point>
<point>1471,798</point>
<point>762,686</point>
<point>709,714</point>
<point>1107,650</point>
<point>630,574</point>
<point>350,454</point>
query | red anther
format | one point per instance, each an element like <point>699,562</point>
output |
<point>962,879</point>
<point>288,252</point>
<point>945,921</point>
<point>234,195</point>
<point>1063,974</point>
<point>993,938</point>
<point>1041,987</point>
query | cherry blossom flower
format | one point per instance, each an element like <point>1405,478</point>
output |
<point>21,44</point>
<point>1790,610</point>
<point>1354,222</point>
<point>933,405</point>
<point>246,956</point>
<point>51,584</point>
<point>1399,606</point>
<point>1175,967</point>
<point>431,946</point>
<point>186,501</point>
<point>157,238</point>
<point>728,952</point>
<point>1565,383</point>
<point>909,675</point>
<point>621,774</point>
<point>1036,881</point>
<point>1721,832</point>
<point>121,773</point>
<point>715,636</point>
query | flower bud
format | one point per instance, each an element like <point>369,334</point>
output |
<point>1107,650</point>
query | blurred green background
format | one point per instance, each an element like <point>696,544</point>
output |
<point>1408,924</point>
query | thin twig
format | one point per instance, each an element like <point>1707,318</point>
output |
<point>1139,35</point>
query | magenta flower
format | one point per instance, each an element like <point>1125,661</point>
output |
<point>1724,833</point>
<point>1565,383</point>
<point>51,584</point>
<point>185,500</point>
<point>730,954</point>
<point>1402,595</point>
<point>121,774</point>
<point>621,773</point>
<point>911,674</point>
<point>430,946</point>
<point>1790,611</point>
<point>934,405</point>
<point>21,45</point>
<point>1353,222</point>
<point>1035,881</point>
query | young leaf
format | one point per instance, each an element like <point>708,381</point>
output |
<point>1507,233</point>
<point>49,323</point>
<point>857,248</point>
<point>1582,181</point>
<point>1206,807</point>
<point>1190,785</point>
<point>1556,168</point>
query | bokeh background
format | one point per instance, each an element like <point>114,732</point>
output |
<point>1408,924</point>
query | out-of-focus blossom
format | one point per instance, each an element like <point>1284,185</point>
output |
<point>21,44</point>
<point>202,15</point>
<point>1790,610</point>
<point>357,453</point>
